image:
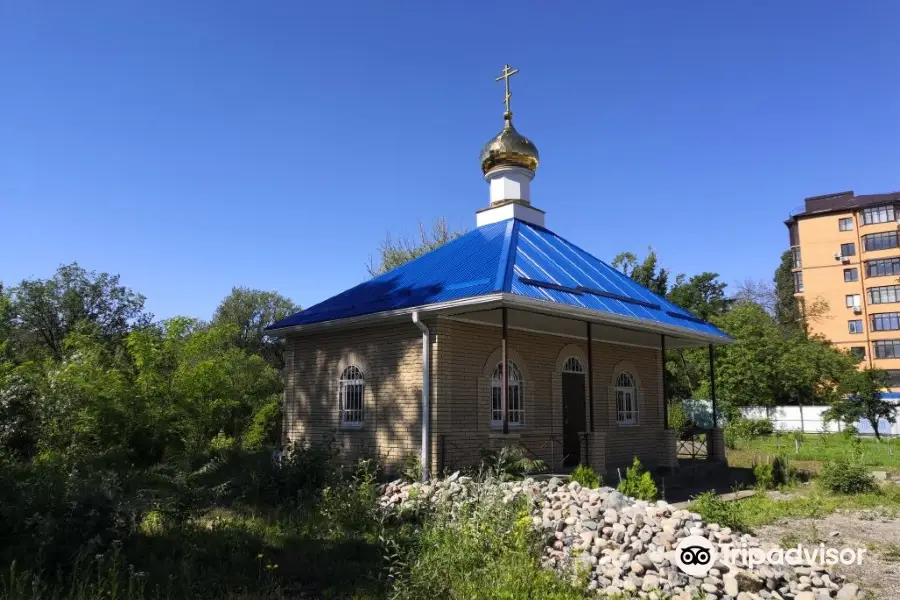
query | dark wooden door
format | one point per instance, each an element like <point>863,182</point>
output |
<point>573,417</point>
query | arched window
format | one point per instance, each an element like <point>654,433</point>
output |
<point>626,399</point>
<point>352,395</point>
<point>573,365</point>
<point>515,396</point>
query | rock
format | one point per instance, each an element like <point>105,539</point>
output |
<point>880,475</point>
<point>651,582</point>
<point>805,596</point>
<point>709,588</point>
<point>615,500</point>
<point>637,568</point>
<point>848,592</point>
<point>731,585</point>
<point>748,582</point>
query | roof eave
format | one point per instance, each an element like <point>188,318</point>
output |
<point>586,314</point>
<point>377,317</point>
<point>511,300</point>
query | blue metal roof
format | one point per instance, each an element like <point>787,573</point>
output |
<point>512,257</point>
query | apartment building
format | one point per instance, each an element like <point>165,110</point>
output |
<point>846,252</point>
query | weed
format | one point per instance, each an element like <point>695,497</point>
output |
<point>638,483</point>
<point>586,476</point>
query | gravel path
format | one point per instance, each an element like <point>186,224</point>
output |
<point>880,535</point>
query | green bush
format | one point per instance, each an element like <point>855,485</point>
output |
<point>487,552</point>
<point>743,429</point>
<point>715,510</point>
<point>412,468</point>
<point>678,418</point>
<point>770,475</point>
<point>846,477</point>
<point>586,476</point>
<point>638,483</point>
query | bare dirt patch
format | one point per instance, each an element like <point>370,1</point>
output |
<point>877,532</point>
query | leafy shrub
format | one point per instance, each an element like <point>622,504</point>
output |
<point>510,462</point>
<point>412,467</point>
<point>586,476</point>
<point>638,483</point>
<point>715,510</point>
<point>743,429</point>
<point>678,418</point>
<point>770,475</point>
<point>846,477</point>
<point>489,552</point>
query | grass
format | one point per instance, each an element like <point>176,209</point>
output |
<point>808,502</point>
<point>815,449</point>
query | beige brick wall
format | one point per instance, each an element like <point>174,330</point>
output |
<point>391,359</point>
<point>464,356</point>
<point>468,354</point>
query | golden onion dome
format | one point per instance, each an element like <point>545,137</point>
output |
<point>509,148</point>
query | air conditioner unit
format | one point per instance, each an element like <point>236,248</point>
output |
<point>837,256</point>
<point>857,310</point>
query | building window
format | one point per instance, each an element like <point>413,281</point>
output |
<point>855,326</point>
<point>893,378</point>
<point>858,352</point>
<point>573,365</point>
<point>352,397</point>
<point>883,267</point>
<point>626,399</point>
<point>845,224</point>
<point>848,249</point>
<point>880,241</point>
<point>885,321</point>
<point>514,396</point>
<point>793,235</point>
<point>886,348</point>
<point>884,294</point>
<point>877,214</point>
<point>853,300</point>
<point>851,274</point>
<point>798,282</point>
<point>795,255</point>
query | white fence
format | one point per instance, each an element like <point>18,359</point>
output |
<point>807,419</point>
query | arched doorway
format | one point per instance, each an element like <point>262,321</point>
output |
<point>573,413</point>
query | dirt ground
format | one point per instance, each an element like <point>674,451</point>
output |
<point>879,572</point>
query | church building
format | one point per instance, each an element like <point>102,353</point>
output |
<point>509,335</point>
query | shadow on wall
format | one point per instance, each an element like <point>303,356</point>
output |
<point>389,357</point>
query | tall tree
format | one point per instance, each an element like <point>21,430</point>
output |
<point>647,272</point>
<point>393,253</point>
<point>863,399</point>
<point>251,311</point>
<point>761,292</point>
<point>787,308</point>
<point>46,311</point>
<point>703,294</point>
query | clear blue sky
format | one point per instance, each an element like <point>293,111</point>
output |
<point>192,146</point>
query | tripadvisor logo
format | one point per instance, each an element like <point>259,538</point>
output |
<point>695,555</point>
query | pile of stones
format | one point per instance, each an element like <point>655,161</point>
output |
<point>627,546</point>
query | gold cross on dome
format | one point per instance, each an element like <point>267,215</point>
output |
<point>507,73</point>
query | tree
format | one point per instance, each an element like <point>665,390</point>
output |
<point>863,400</point>
<point>703,294</point>
<point>46,311</point>
<point>787,308</point>
<point>761,292</point>
<point>251,311</point>
<point>394,253</point>
<point>646,272</point>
